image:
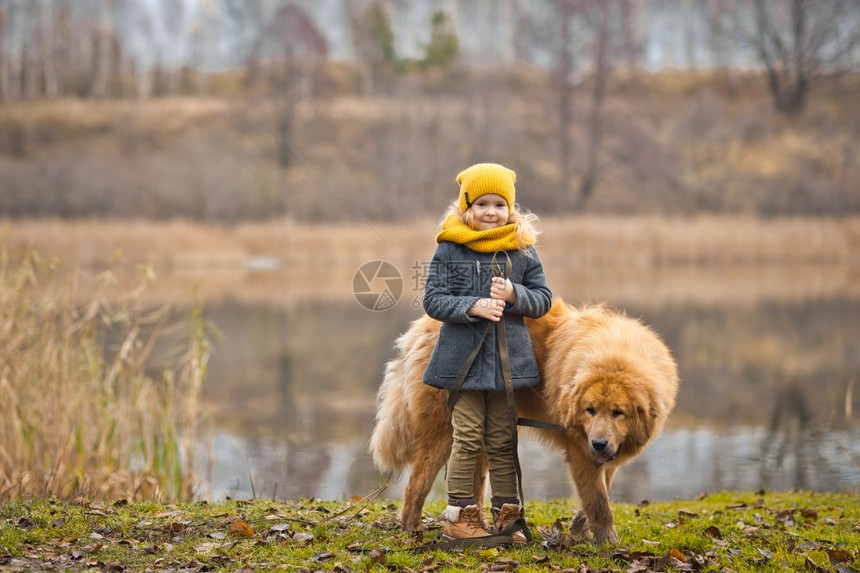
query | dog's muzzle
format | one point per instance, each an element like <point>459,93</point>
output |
<point>600,451</point>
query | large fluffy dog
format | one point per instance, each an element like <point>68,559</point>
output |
<point>607,378</point>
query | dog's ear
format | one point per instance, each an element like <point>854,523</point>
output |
<point>642,428</point>
<point>573,416</point>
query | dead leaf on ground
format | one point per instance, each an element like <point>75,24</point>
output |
<point>175,527</point>
<point>302,537</point>
<point>639,567</point>
<point>809,514</point>
<point>240,527</point>
<point>838,556</point>
<point>488,553</point>
<point>206,548</point>
<point>786,517</point>
<point>377,556</point>
<point>768,555</point>
<point>714,532</point>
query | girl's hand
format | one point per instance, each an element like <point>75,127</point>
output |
<point>503,289</point>
<point>488,308</point>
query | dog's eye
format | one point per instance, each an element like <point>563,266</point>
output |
<point>591,411</point>
<point>617,413</point>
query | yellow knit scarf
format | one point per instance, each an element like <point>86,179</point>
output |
<point>499,239</point>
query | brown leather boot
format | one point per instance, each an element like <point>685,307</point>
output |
<point>464,522</point>
<point>505,516</point>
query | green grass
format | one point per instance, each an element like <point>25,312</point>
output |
<point>737,531</point>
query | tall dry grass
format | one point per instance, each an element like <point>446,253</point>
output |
<point>578,242</point>
<point>80,414</point>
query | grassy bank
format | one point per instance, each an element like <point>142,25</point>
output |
<point>736,531</point>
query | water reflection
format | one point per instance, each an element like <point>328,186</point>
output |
<point>762,404</point>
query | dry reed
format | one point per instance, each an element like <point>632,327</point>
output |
<point>586,241</point>
<point>81,417</point>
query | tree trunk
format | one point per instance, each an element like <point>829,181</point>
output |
<point>688,30</point>
<point>4,70</point>
<point>287,112</point>
<point>48,45</point>
<point>103,67</point>
<point>565,99</point>
<point>595,126</point>
<point>31,71</point>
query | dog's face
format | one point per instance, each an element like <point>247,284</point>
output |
<point>612,415</point>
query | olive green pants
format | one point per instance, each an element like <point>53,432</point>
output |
<point>480,420</point>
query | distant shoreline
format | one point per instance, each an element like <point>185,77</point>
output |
<point>591,241</point>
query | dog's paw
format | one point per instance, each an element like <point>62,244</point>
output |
<point>606,536</point>
<point>413,525</point>
<point>579,525</point>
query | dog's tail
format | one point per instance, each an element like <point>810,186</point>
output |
<point>391,441</point>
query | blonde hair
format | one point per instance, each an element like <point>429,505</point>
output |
<point>525,222</point>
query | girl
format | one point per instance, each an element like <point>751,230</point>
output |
<point>462,292</point>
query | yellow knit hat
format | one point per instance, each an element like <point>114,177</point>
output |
<point>485,178</point>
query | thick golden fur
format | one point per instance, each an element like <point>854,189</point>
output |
<point>608,378</point>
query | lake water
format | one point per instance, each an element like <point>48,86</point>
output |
<point>767,357</point>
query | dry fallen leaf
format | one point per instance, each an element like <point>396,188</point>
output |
<point>303,537</point>
<point>714,532</point>
<point>240,527</point>
<point>323,556</point>
<point>809,514</point>
<point>377,556</point>
<point>838,556</point>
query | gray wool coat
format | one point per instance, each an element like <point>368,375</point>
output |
<point>457,277</point>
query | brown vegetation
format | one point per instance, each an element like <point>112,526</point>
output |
<point>586,242</point>
<point>81,415</point>
<point>671,144</point>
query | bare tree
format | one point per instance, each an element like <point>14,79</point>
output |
<point>4,71</point>
<point>373,39</point>
<point>174,16</point>
<point>48,50</point>
<point>631,49</point>
<point>301,45</point>
<point>799,42</point>
<point>104,61</point>
<point>688,29</point>
<point>29,55</point>
<point>601,69</point>
<point>564,88</point>
<point>723,27</point>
